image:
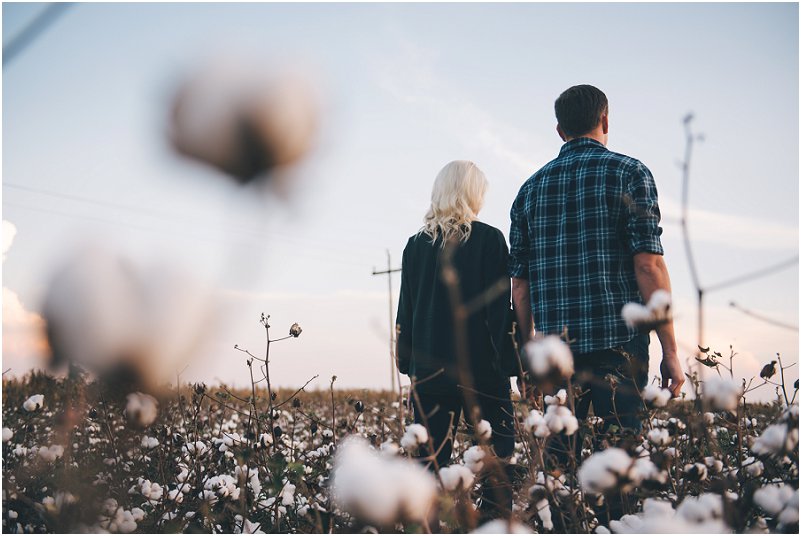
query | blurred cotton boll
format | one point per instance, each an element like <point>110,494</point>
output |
<point>244,118</point>
<point>380,489</point>
<point>123,321</point>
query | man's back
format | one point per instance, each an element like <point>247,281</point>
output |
<point>576,225</point>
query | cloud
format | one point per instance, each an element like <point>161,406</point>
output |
<point>9,232</point>
<point>24,343</point>
<point>732,230</point>
<point>411,78</point>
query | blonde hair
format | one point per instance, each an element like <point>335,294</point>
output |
<point>456,199</point>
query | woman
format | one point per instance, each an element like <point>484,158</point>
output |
<point>457,361</point>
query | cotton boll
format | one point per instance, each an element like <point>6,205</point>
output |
<point>777,439</point>
<point>379,489</point>
<point>456,477</point>
<point>635,314</point>
<point>242,121</point>
<point>753,467</point>
<point>722,394</point>
<point>560,398</point>
<point>123,320</point>
<point>604,470</point>
<point>543,509</point>
<point>473,458</point>
<point>149,442</point>
<point>560,419</point>
<point>536,424</point>
<point>549,356</point>
<point>7,435</point>
<point>390,448</point>
<point>659,437</point>
<point>659,304</point>
<point>484,430</point>
<point>655,396</point>
<point>416,435</point>
<point>500,526</point>
<point>33,403</point>
<point>141,409</point>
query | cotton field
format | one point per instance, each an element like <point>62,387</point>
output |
<point>78,456</point>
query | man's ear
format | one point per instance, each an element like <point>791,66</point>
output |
<point>561,134</point>
<point>605,123</point>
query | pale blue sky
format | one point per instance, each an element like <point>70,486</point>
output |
<point>407,88</point>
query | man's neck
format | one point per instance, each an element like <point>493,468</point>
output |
<point>598,136</point>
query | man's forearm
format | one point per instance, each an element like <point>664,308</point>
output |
<point>521,298</point>
<point>652,274</point>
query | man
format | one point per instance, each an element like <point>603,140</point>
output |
<point>584,242</point>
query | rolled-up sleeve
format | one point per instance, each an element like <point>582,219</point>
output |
<point>518,238</point>
<point>642,227</point>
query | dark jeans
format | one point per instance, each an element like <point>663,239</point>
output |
<point>610,381</point>
<point>442,413</point>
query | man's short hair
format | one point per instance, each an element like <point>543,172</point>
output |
<point>579,109</point>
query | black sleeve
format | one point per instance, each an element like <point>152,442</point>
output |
<point>403,328</point>
<point>498,312</point>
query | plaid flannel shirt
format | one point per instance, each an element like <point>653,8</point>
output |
<point>576,225</point>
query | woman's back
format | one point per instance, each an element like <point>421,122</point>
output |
<point>427,338</point>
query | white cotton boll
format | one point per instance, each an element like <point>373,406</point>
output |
<point>51,453</point>
<point>659,437</point>
<point>753,466</point>
<point>243,119</point>
<point>34,403</point>
<point>416,435</point>
<point>390,448</point>
<point>456,477</point>
<point>780,501</point>
<point>288,495</point>
<point>722,394</point>
<point>535,423</point>
<point>560,419</point>
<point>600,529</point>
<point>549,355</point>
<point>544,513</point>
<point>484,430</point>
<point>141,409</point>
<point>111,314</point>
<point>603,470</point>
<point>473,458</point>
<point>501,526</point>
<point>149,442</point>
<point>7,435</point>
<point>714,465</point>
<point>560,398</point>
<point>655,396</point>
<point>380,489</point>
<point>709,418</point>
<point>645,470</point>
<point>776,439</point>
<point>635,314</point>
<point>659,304</point>
<point>704,507</point>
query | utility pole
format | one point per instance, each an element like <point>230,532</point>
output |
<point>389,271</point>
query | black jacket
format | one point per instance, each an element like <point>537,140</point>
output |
<point>426,338</point>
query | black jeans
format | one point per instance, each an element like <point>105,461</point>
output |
<point>442,413</point>
<point>610,381</point>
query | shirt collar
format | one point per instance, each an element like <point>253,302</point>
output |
<point>578,143</point>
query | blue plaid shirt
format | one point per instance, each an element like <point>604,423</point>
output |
<point>576,225</point>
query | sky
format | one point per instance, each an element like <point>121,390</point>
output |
<point>403,89</point>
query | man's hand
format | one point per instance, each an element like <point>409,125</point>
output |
<point>672,375</point>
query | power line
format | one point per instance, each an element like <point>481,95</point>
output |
<point>175,233</point>
<point>765,319</point>
<point>753,275</point>
<point>319,244</point>
<point>34,29</point>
